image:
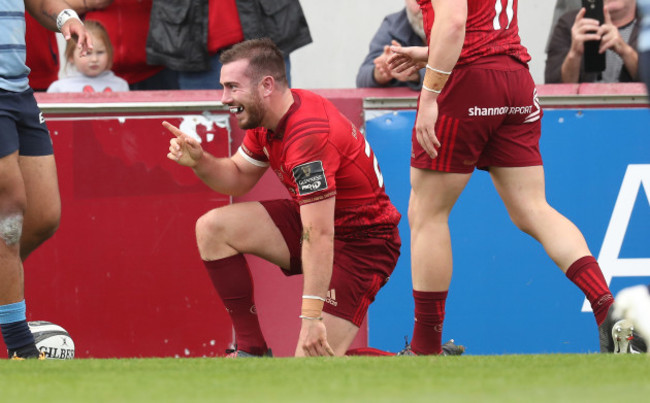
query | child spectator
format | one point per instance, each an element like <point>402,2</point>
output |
<point>92,72</point>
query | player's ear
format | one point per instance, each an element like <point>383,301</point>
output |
<point>268,84</point>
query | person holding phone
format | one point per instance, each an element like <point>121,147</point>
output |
<point>644,41</point>
<point>618,33</point>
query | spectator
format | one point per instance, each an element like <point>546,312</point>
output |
<point>618,35</point>
<point>561,7</point>
<point>189,35</point>
<point>30,204</point>
<point>42,46</point>
<point>127,23</point>
<point>92,72</point>
<point>403,28</point>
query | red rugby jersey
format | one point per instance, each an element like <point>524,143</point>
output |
<point>318,153</point>
<point>491,29</point>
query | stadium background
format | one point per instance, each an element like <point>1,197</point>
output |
<point>123,276</point>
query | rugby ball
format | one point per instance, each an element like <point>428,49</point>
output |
<point>52,339</point>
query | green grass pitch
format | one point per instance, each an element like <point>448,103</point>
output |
<point>505,378</point>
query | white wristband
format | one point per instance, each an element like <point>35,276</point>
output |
<point>314,297</point>
<point>439,71</point>
<point>424,87</point>
<point>64,16</point>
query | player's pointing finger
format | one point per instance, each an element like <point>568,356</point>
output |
<point>173,129</point>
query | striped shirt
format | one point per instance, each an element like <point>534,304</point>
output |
<point>613,62</point>
<point>13,70</point>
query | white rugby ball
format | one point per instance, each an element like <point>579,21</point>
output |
<point>52,339</point>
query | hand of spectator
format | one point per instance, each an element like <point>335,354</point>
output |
<point>74,27</point>
<point>381,72</point>
<point>410,74</point>
<point>407,57</point>
<point>583,29</point>
<point>610,37</point>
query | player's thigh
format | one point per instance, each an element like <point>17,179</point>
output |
<point>246,227</point>
<point>42,190</point>
<point>340,333</point>
<point>12,189</point>
<point>522,189</point>
<point>434,192</point>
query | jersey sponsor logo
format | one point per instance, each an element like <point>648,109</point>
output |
<point>310,177</point>
<point>533,112</point>
<point>500,110</point>
<point>537,113</point>
<point>636,179</point>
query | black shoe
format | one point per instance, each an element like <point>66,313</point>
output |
<point>235,353</point>
<point>26,352</point>
<point>449,348</point>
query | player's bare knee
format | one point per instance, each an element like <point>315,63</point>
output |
<point>11,228</point>
<point>522,222</point>
<point>208,231</point>
<point>44,229</point>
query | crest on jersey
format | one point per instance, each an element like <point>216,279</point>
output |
<point>310,177</point>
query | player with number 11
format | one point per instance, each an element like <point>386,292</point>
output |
<point>479,109</point>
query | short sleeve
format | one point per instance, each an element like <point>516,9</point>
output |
<point>312,163</point>
<point>252,150</point>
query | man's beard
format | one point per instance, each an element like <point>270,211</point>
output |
<point>415,20</point>
<point>255,114</point>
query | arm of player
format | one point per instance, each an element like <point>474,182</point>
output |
<point>445,45</point>
<point>317,260</point>
<point>232,176</point>
<point>83,6</point>
<point>46,13</point>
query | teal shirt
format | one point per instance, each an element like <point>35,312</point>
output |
<point>13,70</point>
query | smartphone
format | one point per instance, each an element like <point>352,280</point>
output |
<point>594,61</point>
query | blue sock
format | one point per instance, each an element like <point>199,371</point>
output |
<point>13,325</point>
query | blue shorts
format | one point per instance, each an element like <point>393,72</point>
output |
<point>22,126</point>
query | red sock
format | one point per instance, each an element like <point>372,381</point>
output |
<point>586,274</point>
<point>429,315</point>
<point>232,279</point>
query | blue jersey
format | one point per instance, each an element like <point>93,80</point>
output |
<point>13,70</point>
